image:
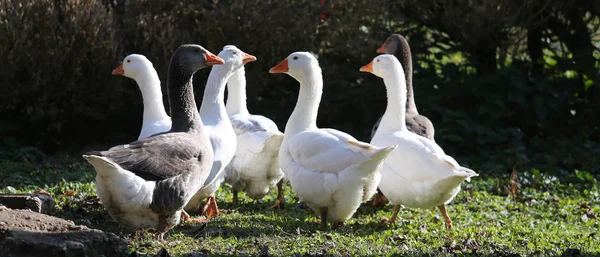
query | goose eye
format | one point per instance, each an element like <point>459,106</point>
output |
<point>128,61</point>
<point>234,52</point>
<point>295,58</point>
<point>197,50</point>
<point>377,60</point>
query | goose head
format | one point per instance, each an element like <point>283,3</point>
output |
<point>133,65</point>
<point>297,65</point>
<point>190,58</point>
<point>235,58</point>
<point>383,65</point>
<point>393,43</point>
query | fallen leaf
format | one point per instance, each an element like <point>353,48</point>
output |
<point>42,191</point>
<point>590,214</point>
<point>471,244</point>
<point>584,206</point>
<point>70,192</point>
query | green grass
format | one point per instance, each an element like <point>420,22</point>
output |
<point>547,216</point>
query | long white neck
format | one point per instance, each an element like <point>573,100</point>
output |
<point>236,93</point>
<point>304,115</point>
<point>394,118</point>
<point>149,85</point>
<point>212,110</point>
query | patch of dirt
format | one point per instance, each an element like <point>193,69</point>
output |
<point>25,233</point>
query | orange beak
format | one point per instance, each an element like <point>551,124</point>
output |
<point>246,58</point>
<point>281,67</point>
<point>212,59</point>
<point>367,68</point>
<point>119,70</point>
<point>381,49</point>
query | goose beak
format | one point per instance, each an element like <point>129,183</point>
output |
<point>367,68</point>
<point>282,67</point>
<point>246,58</point>
<point>212,59</point>
<point>381,49</point>
<point>119,70</point>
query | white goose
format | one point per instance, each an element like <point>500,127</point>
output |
<point>139,68</point>
<point>418,173</point>
<point>255,166</point>
<point>329,170</point>
<point>218,126</point>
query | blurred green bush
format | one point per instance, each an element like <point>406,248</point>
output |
<point>500,86</point>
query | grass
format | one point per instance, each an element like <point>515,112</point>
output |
<point>526,214</point>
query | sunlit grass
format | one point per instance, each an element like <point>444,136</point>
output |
<point>545,216</point>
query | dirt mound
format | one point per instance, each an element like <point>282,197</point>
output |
<point>25,233</point>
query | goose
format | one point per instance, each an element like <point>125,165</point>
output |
<point>397,45</point>
<point>418,174</point>
<point>218,127</point>
<point>140,69</point>
<point>255,166</point>
<point>145,184</point>
<point>329,170</point>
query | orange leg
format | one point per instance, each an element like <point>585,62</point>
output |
<point>447,220</point>
<point>199,220</point>
<point>210,209</point>
<point>280,202</point>
<point>395,214</point>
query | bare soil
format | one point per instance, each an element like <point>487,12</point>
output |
<point>26,233</point>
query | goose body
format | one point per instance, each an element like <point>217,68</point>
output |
<point>255,166</point>
<point>418,174</point>
<point>218,127</point>
<point>329,170</point>
<point>146,184</point>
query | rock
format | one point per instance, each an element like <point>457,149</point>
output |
<point>25,233</point>
<point>36,202</point>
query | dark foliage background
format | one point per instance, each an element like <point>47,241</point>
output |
<point>506,83</point>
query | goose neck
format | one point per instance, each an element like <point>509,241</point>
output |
<point>305,113</point>
<point>184,113</point>
<point>149,85</point>
<point>212,108</point>
<point>236,93</point>
<point>404,56</point>
<point>394,117</point>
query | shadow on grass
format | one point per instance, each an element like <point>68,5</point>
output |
<point>254,219</point>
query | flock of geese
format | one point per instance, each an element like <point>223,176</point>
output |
<point>180,160</point>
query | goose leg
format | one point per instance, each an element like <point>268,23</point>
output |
<point>395,214</point>
<point>280,202</point>
<point>210,209</point>
<point>185,216</point>
<point>324,218</point>
<point>236,200</point>
<point>447,220</point>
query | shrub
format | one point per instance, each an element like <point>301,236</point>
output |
<point>57,57</point>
